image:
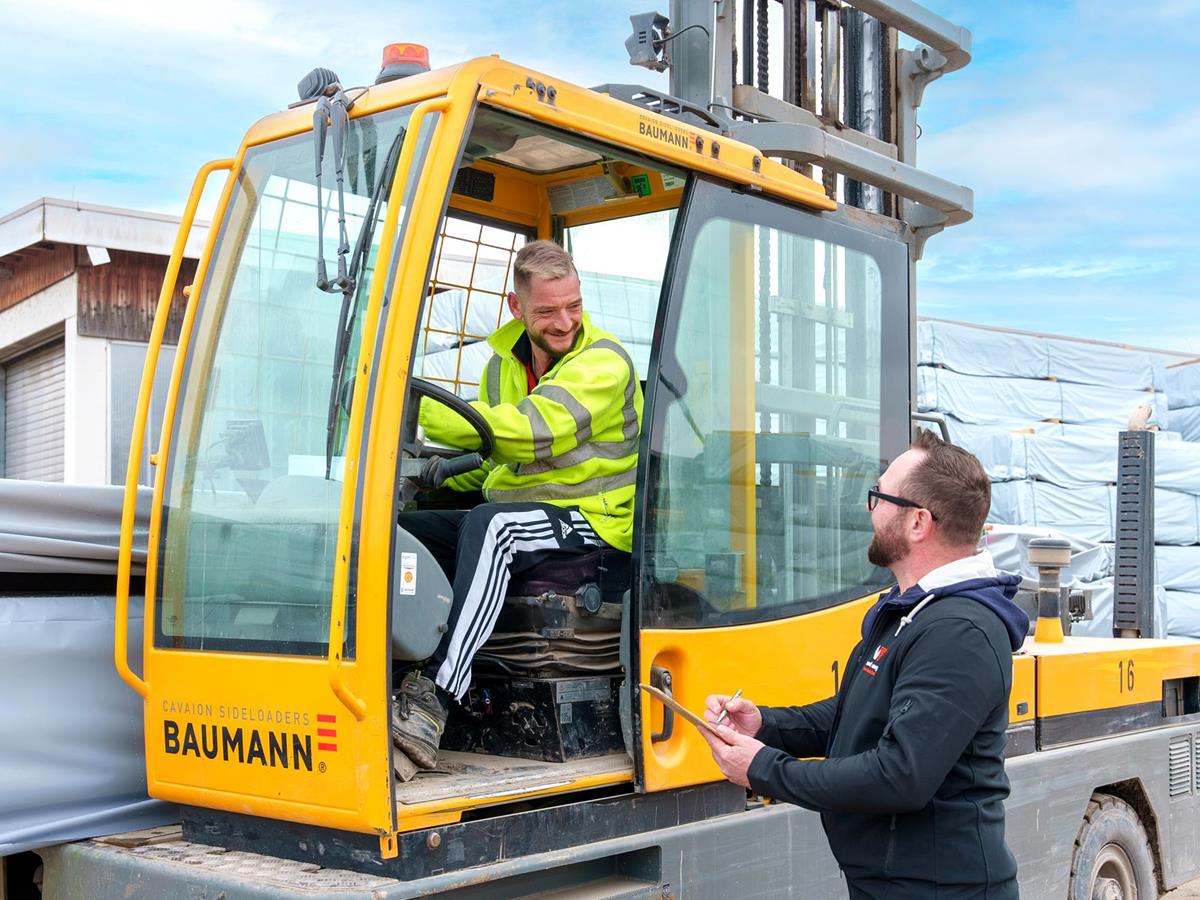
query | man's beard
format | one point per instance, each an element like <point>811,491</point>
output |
<point>539,341</point>
<point>887,547</point>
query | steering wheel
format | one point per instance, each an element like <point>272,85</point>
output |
<point>436,464</point>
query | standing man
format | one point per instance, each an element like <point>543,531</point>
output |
<point>565,405</point>
<point>911,790</point>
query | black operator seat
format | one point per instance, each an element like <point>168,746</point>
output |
<point>607,569</point>
<point>567,593</point>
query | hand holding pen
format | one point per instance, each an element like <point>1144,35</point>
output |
<point>725,706</point>
<point>734,712</point>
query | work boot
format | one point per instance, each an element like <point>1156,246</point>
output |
<point>404,767</point>
<point>419,721</point>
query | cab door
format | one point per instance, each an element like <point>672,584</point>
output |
<point>266,655</point>
<point>778,390</point>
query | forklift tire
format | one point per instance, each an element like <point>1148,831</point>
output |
<point>1113,859</point>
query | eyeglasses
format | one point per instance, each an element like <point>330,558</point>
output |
<point>874,495</point>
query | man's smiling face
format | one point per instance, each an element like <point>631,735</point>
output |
<point>552,312</point>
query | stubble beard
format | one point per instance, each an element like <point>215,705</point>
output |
<point>887,548</point>
<point>542,344</point>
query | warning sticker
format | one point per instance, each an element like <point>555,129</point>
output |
<point>408,573</point>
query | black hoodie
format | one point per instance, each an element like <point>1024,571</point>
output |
<point>912,789</point>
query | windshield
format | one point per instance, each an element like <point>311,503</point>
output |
<point>255,472</point>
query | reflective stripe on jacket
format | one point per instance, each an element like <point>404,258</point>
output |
<point>572,441</point>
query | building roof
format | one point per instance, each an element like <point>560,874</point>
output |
<point>68,222</point>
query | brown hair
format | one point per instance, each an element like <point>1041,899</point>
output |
<point>540,259</point>
<point>951,484</point>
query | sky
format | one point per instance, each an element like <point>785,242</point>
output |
<point>1077,124</point>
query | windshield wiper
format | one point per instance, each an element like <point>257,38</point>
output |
<point>349,310</point>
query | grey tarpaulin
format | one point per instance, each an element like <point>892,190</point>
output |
<point>982,400</point>
<point>970,435</point>
<point>66,528</point>
<point>997,389</point>
<point>71,757</point>
<point>1089,510</point>
<point>1009,548</point>
<point>1182,612</point>
<point>1075,460</point>
<point>1186,420</point>
<point>1183,384</point>
<point>979,351</point>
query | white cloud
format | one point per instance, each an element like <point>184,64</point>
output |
<point>212,22</point>
<point>1068,146</point>
<point>972,269</point>
<point>132,96</point>
<point>1078,136</point>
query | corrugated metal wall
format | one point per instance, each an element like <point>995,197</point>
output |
<point>34,422</point>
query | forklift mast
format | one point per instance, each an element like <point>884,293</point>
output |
<point>844,113</point>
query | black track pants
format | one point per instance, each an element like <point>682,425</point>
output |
<point>480,550</point>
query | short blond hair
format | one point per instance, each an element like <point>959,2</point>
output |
<point>541,259</point>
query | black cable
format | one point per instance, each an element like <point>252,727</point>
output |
<point>349,309</point>
<point>665,40</point>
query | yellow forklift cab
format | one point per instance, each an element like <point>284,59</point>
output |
<point>358,266</point>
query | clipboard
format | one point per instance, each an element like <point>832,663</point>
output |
<point>669,701</point>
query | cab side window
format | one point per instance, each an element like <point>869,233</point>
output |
<point>614,212</point>
<point>621,264</point>
<point>472,275</point>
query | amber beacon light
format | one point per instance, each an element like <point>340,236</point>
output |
<point>402,60</point>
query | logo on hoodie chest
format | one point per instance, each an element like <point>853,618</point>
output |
<point>871,667</point>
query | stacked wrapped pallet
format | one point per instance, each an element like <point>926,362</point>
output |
<point>1043,413</point>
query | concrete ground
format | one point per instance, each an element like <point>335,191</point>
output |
<point>1189,891</point>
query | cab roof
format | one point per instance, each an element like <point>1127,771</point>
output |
<point>558,103</point>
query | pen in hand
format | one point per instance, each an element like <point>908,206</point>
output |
<point>725,706</point>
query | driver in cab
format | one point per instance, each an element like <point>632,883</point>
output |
<point>563,400</point>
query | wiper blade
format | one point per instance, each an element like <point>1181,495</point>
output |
<point>349,310</point>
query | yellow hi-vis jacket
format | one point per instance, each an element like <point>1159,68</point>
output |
<point>572,441</point>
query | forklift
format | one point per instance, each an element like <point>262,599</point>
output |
<point>754,249</point>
